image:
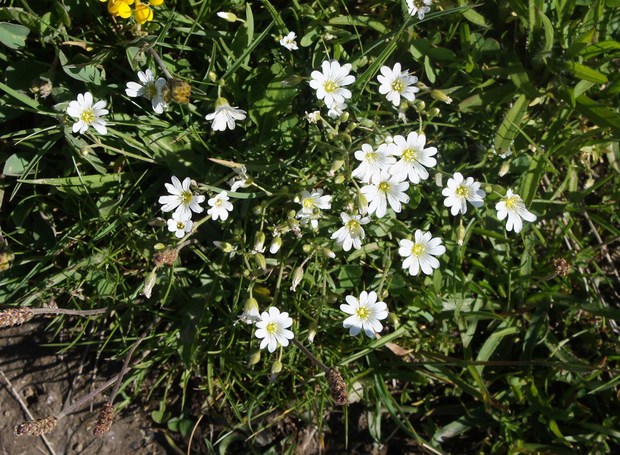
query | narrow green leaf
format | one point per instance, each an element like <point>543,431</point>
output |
<point>510,126</point>
<point>584,72</point>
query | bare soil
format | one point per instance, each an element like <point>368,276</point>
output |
<point>45,381</point>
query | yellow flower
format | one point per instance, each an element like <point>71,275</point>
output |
<point>143,13</point>
<point>120,8</point>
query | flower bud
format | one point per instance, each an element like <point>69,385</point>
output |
<point>276,367</point>
<point>362,203</point>
<point>339,179</point>
<point>337,164</point>
<point>298,275</point>
<point>254,358</point>
<point>212,76</point>
<point>312,330</point>
<point>260,261</point>
<point>460,235</point>
<point>224,246</point>
<point>328,253</point>
<point>259,242</point>
<point>276,244</point>
<point>505,167</point>
<point>149,283</point>
<point>251,312</point>
<point>307,248</point>
<point>433,112</point>
<point>441,96</point>
<point>230,17</point>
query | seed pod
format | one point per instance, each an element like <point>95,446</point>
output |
<point>337,386</point>
<point>36,427</point>
<point>104,421</point>
<point>15,316</point>
<point>167,257</point>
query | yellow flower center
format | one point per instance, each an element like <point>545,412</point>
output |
<point>418,249</point>
<point>272,328</point>
<point>330,86</point>
<point>371,157</point>
<point>462,191</point>
<point>410,155</point>
<point>398,85</point>
<point>418,4</point>
<point>511,203</point>
<point>150,91</point>
<point>362,312</point>
<point>353,225</point>
<point>384,187</point>
<point>180,225</point>
<point>87,116</point>
<point>308,203</point>
<point>186,196</point>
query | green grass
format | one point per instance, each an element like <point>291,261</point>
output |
<point>494,352</point>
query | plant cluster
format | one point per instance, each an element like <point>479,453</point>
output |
<point>442,178</point>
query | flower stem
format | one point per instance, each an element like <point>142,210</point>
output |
<point>308,354</point>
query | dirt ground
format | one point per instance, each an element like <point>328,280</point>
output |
<point>45,381</point>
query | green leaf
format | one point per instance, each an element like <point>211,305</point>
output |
<point>586,73</point>
<point>360,21</point>
<point>510,126</point>
<point>15,165</point>
<point>600,115</point>
<point>84,72</point>
<point>13,35</point>
<point>350,276</point>
<point>475,18</point>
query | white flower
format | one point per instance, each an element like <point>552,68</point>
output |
<point>220,206</point>
<point>250,311</point>
<point>512,206</point>
<point>275,245</point>
<point>224,115</point>
<point>241,180</point>
<point>386,188</point>
<point>315,200</point>
<point>181,199</point>
<point>272,329</point>
<point>396,83</point>
<point>336,110</point>
<point>180,227</point>
<point>419,6</point>
<point>329,84</point>
<point>150,89</point>
<point>414,158</point>
<point>365,313</point>
<point>289,41</point>
<point>87,113</point>
<point>313,117</point>
<point>420,253</point>
<point>311,206</point>
<point>352,233</point>
<point>459,191</point>
<point>372,162</point>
